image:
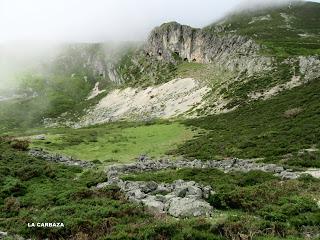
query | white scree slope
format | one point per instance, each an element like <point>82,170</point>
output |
<point>163,101</point>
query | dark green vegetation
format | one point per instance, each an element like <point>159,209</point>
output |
<point>285,31</point>
<point>276,129</point>
<point>259,204</point>
<point>37,191</point>
<point>33,190</point>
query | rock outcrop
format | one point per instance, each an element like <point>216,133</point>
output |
<point>181,198</point>
<point>234,52</point>
<point>309,67</point>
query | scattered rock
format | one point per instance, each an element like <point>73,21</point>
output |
<point>194,192</point>
<point>171,99</point>
<point>102,185</point>
<point>149,187</point>
<point>54,157</point>
<point>183,198</point>
<point>136,194</point>
<point>289,175</point>
<point>243,165</point>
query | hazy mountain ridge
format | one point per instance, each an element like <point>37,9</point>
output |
<point>237,58</point>
<point>238,67</point>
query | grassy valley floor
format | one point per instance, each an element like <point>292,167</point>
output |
<point>116,142</point>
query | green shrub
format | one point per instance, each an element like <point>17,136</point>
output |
<point>22,145</point>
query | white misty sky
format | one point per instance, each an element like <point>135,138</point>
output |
<point>103,20</point>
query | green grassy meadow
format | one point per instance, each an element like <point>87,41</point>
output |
<point>120,142</point>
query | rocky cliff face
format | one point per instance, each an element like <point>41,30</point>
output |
<point>237,53</point>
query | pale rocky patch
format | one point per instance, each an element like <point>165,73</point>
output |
<point>163,101</point>
<point>294,82</point>
<point>95,91</point>
<point>261,18</point>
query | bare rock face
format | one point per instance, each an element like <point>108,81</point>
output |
<point>235,52</point>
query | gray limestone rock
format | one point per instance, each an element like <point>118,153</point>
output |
<point>149,187</point>
<point>194,192</point>
<point>136,194</point>
<point>237,53</point>
<point>188,207</point>
<point>153,204</point>
<point>40,137</point>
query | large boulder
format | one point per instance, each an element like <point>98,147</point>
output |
<point>136,194</point>
<point>187,189</point>
<point>194,192</point>
<point>163,189</point>
<point>188,207</point>
<point>152,203</point>
<point>102,185</point>
<point>149,187</point>
<point>289,175</point>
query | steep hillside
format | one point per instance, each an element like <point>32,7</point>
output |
<point>247,56</point>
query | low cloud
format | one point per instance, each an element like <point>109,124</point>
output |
<point>255,4</point>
